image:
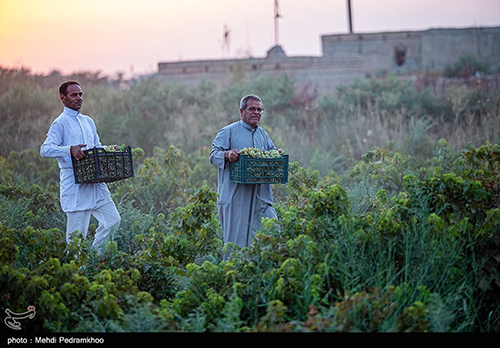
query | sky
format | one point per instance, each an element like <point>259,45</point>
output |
<point>132,36</point>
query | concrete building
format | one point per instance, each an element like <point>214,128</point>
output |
<point>348,56</point>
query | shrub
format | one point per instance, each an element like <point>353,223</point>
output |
<point>466,66</point>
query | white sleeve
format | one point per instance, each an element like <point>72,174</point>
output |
<point>51,147</point>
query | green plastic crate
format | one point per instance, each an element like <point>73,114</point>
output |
<point>251,170</point>
<point>102,166</point>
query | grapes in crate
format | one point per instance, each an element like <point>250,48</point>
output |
<point>114,148</point>
<point>256,166</point>
<point>258,153</point>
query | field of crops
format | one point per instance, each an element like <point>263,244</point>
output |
<point>392,230</point>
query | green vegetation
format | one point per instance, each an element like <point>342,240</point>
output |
<point>390,221</point>
<point>467,65</point>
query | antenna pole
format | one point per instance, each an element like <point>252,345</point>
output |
<point>349,15</point>
<point>276,16</point>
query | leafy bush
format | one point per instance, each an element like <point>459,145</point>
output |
<point>383,231</point>
<point>466,66</point>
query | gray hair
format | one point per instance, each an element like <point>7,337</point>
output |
<point>243,101</point>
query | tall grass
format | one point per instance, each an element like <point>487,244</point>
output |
<point>321,130</point>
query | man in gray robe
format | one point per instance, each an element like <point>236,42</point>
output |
<point>241,207</point>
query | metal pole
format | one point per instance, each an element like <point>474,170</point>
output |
<point>349,15</point>
<point>276,31</point>
<point>276,16</point>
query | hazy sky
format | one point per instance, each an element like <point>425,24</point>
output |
<point>132,36</point>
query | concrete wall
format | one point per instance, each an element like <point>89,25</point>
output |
<point>321,72</point>
<point>349,56</point>
<point>377,51</point>
<point>443,46</point>
<point>430,49</point>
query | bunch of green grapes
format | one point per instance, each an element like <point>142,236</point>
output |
<point>258,153</point>
<point>114,148</point>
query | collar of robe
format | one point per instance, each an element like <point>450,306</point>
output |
<point>247,126</point>
<point>71,112</point>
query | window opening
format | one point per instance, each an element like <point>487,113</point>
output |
<point>400,55</point>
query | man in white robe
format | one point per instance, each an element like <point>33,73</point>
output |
<point>241,207</point>
<point>68,135</point>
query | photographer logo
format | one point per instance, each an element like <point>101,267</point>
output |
<point>12,318</point>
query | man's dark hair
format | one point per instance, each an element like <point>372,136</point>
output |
<point>63,89</point>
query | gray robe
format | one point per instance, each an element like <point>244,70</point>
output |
<point>241,206</point>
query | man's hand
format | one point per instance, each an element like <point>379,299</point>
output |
<point>77,152</point>
<point>232,155</point>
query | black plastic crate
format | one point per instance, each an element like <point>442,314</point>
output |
<point>253,170</point>
<point>102,166</point>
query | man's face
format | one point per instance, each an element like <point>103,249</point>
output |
<point>73,98</point>
<point>250,114</point>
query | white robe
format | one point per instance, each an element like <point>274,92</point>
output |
<point>241,207</point>
<point>68,129</point>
